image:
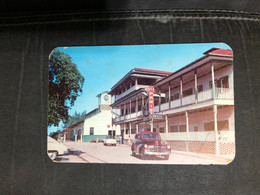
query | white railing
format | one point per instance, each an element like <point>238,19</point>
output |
<point>175,103</point>
<point>165,106</point>
<point>188,100</point>
<point>227,136</point>
<point>139,113</point>
<point>205,95</point>
<point>156,108</point>
<point>129,116</point>
<point>135,87</point>
<point>191,136</point>
<point>224,93</point>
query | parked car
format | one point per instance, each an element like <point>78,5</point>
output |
<point>148,143</point>
<point>109,140</point>
<point>55,148</point>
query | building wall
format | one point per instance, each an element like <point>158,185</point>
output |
<point>99,122</point>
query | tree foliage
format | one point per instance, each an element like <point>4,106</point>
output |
<point>65,85</point>
<point>77,117</point>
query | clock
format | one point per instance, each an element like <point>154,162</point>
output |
<point>105,97</point>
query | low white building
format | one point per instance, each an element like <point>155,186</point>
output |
<point>98,122</point>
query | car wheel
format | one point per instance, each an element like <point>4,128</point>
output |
<point>52,155</point>
<point>142,155</point>
<point>166,157</point>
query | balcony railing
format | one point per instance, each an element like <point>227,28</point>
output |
<point>135,87</point>
<point>220,93</point>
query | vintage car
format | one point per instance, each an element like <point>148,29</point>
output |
<point>110,140</point>
<point>148,143</point>
<point>55,148</point>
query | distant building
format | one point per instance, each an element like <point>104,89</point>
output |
<point>98,122</point>
<point>194,105</point>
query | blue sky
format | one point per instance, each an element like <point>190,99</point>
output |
<point>103,66</point>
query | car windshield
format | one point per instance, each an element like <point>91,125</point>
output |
<point>150,136</point>
<point>109,137</point>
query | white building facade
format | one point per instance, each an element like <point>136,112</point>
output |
<point>98,122</point>
<point>196,104</point>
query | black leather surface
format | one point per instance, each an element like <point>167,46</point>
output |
<point>25,46</point>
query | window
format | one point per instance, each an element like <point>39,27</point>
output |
<point>187,92</point>
<point>154,129</point>
<point>220,83</point>
<point>91,131</point>
<point>196,129</point>
<point>200,88</point>
<point>224,82</point>
<point>182,128</point>
<point>176,96</point>
<point>222,126</point>
<point>163,100</point>
<point>127,131</point>
<point>173,128</point>
<point>161,130</point>
<point>132,109</point>
<point>133,131</point>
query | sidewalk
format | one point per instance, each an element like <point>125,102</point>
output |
<point>228,158</point>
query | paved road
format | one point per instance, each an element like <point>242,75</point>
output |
<point>98,153</point>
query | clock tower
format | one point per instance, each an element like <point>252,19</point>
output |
<point>104,101</point>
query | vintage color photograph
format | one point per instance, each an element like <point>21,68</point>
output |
<point>144,104</point>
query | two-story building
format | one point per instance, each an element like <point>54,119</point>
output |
<point>196,104</point>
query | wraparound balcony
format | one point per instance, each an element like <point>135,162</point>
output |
<point>220,93</point>
<point>135,87</point>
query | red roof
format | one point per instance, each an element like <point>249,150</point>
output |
<point>156,71</point>
<point>218,51</point>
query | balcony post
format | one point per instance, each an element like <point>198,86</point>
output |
<point>181,90</point>
<point>124,110</point>
<point>215,110</point>
<point>136,82</point>
<point>152,125</point>
<point>213,80</point>
<point>196,86</point>
<point>187,130</point>
<point>159,100</point>
<point>130,112</point>
<point>169,95</point>
<point>136,105</point>
<point>166,125</point>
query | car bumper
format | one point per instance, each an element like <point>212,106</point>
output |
<point>146,152</point>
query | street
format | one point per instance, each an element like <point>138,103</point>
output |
<point>98,153</point>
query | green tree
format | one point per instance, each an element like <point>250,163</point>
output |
<point>65,85</point>
<point>77,117</point>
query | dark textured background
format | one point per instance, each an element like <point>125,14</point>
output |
<point>26,40</point>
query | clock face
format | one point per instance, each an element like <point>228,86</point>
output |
<point>105,97</point>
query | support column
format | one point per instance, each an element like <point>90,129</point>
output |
<point>136,126</point>
<point>215,110</point>
<point>159,100</point>
<point>152,125</point>
<point>213,80</point>
<point>136,105</point>
<point>196,86</point>
<point>166,125</point>
<point>181,91</point>
<point>64,138</point>
<point>169,86</point>
<point>187,130</point>
<point>130,112</point>
<point>124,110</point>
